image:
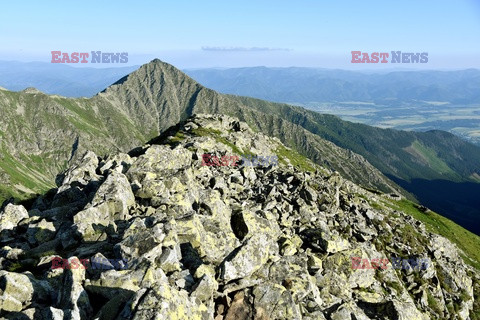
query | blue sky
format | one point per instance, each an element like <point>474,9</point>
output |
<point>310,33</point>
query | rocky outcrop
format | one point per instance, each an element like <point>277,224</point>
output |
<point>10,217</point>
<point>156,235</point>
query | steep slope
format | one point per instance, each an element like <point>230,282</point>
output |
<point>440,169</point>
<point>156,234</point>
<point>148,91</point>
<point>158,95</point>
<point>41,133</point>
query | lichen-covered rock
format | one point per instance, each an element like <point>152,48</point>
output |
<point>163,301</point>
<point>11,215</point>
<point>117,194</point>
<point>111,202</point>
<point>249,257</point>
<point>81,173</point>
<point>41,232</point>
<point>119,162</point>
<point>163,237</point>
<point>18,291</point>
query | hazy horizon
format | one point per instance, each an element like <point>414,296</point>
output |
<point>386,69</point>
<point>247,33</point>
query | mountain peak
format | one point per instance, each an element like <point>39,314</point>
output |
<point>154,71</point>
<point>158,61</point>
<point>32,90</point>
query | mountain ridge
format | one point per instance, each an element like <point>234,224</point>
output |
<point>157,96</point>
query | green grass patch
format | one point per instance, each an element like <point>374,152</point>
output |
<point>171,140</point>
<point>7,193</point>
<point>216,134</point>
<point>15,267</point>
<point>431,158</point>
<point>475,314</point>
<point>177,138</point>
<point>375,205</point>
<point>18,173</point>
<point>433,303</point>
<point>27,171</point>
<point>85,126</point>
<point>295,158</point>
<point>87,114</point>
<point>413,239</point>
<point>468,242</point>
<point>395,286</point>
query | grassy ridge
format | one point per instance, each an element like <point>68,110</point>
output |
<point>440,155</point>
<point>468,242</point>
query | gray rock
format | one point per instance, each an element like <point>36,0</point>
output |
<point>18,291</point>
<point>41,232</point>
<point>81,173</point>
<point>247,259</point>
<point>222,242</point>
<point>11,215</point>
<point>112,201</point>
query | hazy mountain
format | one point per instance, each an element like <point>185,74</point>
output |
<point>61,79</point>
<point>306,85</point>
<point>41,133</point>
<point>291,85</point>
<point>156,234</point>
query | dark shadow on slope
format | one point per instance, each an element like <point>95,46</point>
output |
<point>162,138</point>
<point>108,303</point>
<point>458,201</point>
<point>191,104</point>
<point>74,148</point>
<point>385,310</point>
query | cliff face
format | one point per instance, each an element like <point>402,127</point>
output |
<point>154,234</point>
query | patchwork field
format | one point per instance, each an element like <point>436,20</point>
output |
<point>461,120</point>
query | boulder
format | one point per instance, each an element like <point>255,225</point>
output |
<point>11,215</point>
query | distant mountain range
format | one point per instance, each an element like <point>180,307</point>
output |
<point>288,85</point>
<point>307,85</point>
<point>61,79</point>
<point>41,134</point>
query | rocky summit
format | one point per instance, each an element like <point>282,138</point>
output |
<point>154,234</point>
